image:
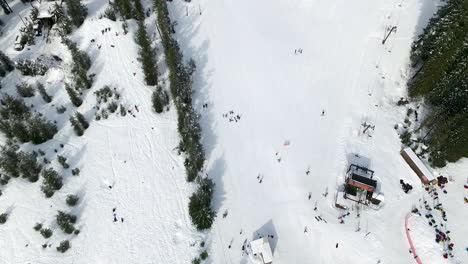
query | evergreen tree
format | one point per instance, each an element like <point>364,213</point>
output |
<point>3,218</point>
<point>160,100</point>
<point>45,96</point>
<point>80,67</point>
<point>64,246</point>
<point>25,90</point>
<point>34,13</point>
<point>66,221</point>
<point>147,55</point>
<point>79,129</point>
<point>9,159</point>
<point>110,13</point>
<point>200,210</point>
<point>63,22</point>
<point>37,226</point>
<point>28,166</point>
<point>76,11</point>
<point>63,161</point>
<point>440,58</point>
<point>13,108</point>
<point>72,199</point>
<point>40,130</point>
<point>46,232</point>
<point>138,10</point>
<point>125,8</point>
<point>80,118</point>
<point>74,96</point>
<point>51,182</point>
<point>6,63</point>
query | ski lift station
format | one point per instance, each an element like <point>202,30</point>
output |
<point>360,185</point>
<point>418,166</point>
<point>262,251</point>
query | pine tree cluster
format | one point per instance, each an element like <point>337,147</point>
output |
<point>17,121</point>
<point>160,99</point>
<point>110,13</point>
<point>51,182</point>
<point>66,221</point>
<point>180,78</point>
<point>440,59</point>
<point>63,161</point>
<point>6,65</point>
<point>63,22</point>
<point>76,11</point>
<point>147,55</point>
<point>200,205</point>
<point>16,163</point>
<point>31,67</point>
<point>42,91</point>
<point>125,8</point>
<point>46,232</point>
<point>79,123</point>
<point>72,199</point>
<point>64,246</point>
<point>25,90</point>
<point>80,66</point>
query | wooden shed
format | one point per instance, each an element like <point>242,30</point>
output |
<point>418,166</point>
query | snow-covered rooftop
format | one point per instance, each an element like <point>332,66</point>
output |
<point>45,9</point>
<point>261,247</point>
<point>419,164</point>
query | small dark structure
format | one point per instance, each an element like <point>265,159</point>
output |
<point>360,180</point>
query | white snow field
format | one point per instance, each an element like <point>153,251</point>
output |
<point>276,64</point>
<point>133,155</point>
<point>249,62</point>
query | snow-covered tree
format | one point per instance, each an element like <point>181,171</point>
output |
<point>77,12</point>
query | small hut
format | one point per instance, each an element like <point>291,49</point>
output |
<point>46,14</point>
<point>418,166</point>
<point>262,251</point>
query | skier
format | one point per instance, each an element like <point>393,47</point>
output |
<point>323,112</point>
<point>336,245</point>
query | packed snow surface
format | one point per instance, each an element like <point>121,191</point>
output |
<point>289,85</point>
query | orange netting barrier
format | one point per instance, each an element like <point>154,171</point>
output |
<point>416,257</point>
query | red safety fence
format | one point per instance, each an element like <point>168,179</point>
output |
<point>416,257</point>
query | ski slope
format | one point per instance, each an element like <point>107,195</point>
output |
<point>133,155</point>
<point>250,64</point>
<point>275,67</point>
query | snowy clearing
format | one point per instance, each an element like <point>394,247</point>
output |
<point>289,85</point>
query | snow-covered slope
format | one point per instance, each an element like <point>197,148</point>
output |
<point>267,70</point>
<point>278,65</point>
<point>133,155</point>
